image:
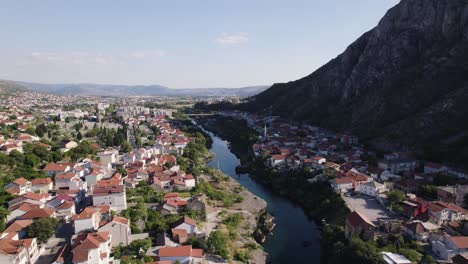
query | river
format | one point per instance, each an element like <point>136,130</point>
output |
<point>293,228</point>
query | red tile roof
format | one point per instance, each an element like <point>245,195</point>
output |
<point>63,176</point>
<point>460,241</point>
<point>55,167</point>
<point>85,214</point>
<point>21,181</point>
<point>120,220</point>
<point>38,213</point>
<point>84,242</point>
<point>41,181</point>
<point>181,251</point>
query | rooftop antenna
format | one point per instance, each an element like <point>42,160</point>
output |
<point>218,166</point>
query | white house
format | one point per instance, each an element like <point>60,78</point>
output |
<point>92,248</point>
<point>372,188</point>
<point>446,247</point>
<point>94,177</point>
<point>42,185</point>
<point>183,254</point>
<point>277,160</point>
<point>65,211</point>
<point>19,186</point>
<point>317,161</point>
<point>342,184</point>
<point>52,169</point>
<point>24,251</point>
<point>112,195</point>
<point>119,228</point>
<point>187,224</point>
<point>108,157</point>
<point>398,165</point>
<point>87,220</point>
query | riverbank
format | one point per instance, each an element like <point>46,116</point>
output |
<point>232,212</point>
<point>327,208</point>
<point>317,200</point>
<point>295,237</point>
<point>240,220</point>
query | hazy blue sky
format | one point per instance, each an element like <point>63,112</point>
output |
<point>191,43</point>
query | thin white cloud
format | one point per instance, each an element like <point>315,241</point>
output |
<point>144,54</point>
<point>90,58</point>
<point>232,39</point>
<point>46,56</point>
<point>72,57</point>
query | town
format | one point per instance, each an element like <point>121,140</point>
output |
<point>388,196</point>
<point>115,180</point>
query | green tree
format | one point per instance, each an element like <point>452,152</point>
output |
<point>41,129</point>
<point>43,229</point>
<point>395,197</point>
<point>218,244</point>
<point>3,214</point>
<point>16,157</point>
<point>31,131</point>
<point>31,160</point>
<point>427,259</point>
<point>125,147</point>
<point>41,152</point>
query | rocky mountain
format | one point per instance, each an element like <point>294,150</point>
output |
<point>140,90</point>
<point>404,81</point>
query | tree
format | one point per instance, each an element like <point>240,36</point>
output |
<point>358,251</point>
<point>125,147</point>
<point>31,131</point>
<point>395,197</point>
<point>79,136</point>
<point>41,130</point>
<point>143,244</point>
<point>218,244</point>
<point>31,160</point>
<point>43,229</point>
<point>3,214</point>
<point>16,157</point>
<point>41,152</point>
<point>428,259</point>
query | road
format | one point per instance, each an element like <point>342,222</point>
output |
<point>131,137</point>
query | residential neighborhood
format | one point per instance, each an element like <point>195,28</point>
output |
<point>91,196</point>
<point>392,194</point>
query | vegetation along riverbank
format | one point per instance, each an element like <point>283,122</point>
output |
<point>318,200</point>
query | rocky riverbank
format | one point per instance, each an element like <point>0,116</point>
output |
<point>252,218</point>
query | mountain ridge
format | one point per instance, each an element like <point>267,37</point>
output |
<point>139,90</point>
<point>406,80</point>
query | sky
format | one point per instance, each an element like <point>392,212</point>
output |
<point>179,44</point>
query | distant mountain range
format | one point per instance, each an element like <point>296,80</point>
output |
<point>11,88</point>
<point>404,81</point>
<point>139,90</point>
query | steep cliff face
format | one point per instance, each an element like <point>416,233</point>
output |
<point>405,80</point>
